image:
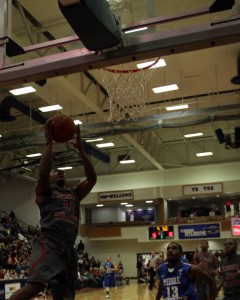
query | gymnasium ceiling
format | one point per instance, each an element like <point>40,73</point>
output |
<point>201,59</point>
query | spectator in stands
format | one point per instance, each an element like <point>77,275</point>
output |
<point>140,269</point>
<point>59,210</point>
<point>80,247</point>
<point>177,279</point>
<point>212,212</point>
<point>230,271</point>
<point>160,260</point>
<point>208,262</point>
<point>151,270</point>
<point>120,276</point>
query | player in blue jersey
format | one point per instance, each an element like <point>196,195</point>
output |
<point>54,258</point>
<point>177,279</point>
<point>109,270</point>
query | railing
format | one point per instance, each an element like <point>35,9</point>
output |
<point>195,219</point>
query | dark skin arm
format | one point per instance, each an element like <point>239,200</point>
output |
<point>159,291</point>
<point>198,273</point>
<point>45,164</point>
<point>84,187</point>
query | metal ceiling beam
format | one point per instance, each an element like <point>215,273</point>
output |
<point>141,47</point>
<point>142,151</point>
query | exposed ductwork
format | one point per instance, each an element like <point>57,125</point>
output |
<point>11,102</point>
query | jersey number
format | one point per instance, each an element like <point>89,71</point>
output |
<point>172,292</point>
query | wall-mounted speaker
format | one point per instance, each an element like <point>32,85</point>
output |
<point>237,137</point>
<point>220,135</point>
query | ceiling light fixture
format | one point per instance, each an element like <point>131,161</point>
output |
<point>149,201</point>
<point>165,88</point>
<point>22,91</point>
<point>94,140</point>
<point>26,169</point>
<point>99,205</point>
<point>135,30</point>
<point>65,168</point>
<point>105,145</point>
<point>34,155</point>
<point>190,135</point>
<point>77,122</point>
<point>50,108</point>
<point>177,107</point>
<point>159,64</point>
<point>124,203</point>
<point>127,161</point>
<point>204,154</point>
<point>129,205</point>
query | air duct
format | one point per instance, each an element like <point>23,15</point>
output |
<point>236,79</point>
<point>11,102</point>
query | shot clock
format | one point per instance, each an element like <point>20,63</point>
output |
<point>163,232</point>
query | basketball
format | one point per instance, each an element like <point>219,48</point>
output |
<point>63,128</point>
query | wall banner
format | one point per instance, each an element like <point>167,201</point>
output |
<point>113,196</point>
<point>208,188</point>
<point>235,223</point>
<point>199,231</point>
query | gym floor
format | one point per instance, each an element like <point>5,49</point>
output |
<point>133,291</point>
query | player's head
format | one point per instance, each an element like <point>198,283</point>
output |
<point>204,245</point>
<point>174,252</point>
<point>57,176</point>
<point>161,256</point>
<point>109,258</point>
<point>230,247</point>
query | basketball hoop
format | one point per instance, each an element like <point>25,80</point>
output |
<point>126,90</point>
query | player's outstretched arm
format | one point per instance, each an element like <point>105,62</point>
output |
<point>85,186</point>
<point>45,162</point>
<point>198,273</point>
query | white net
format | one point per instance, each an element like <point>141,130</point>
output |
<point>126,91</point>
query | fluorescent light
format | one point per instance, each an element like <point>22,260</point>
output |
<point>50,108</point>
<point>161,63</point>
<point>104,145</point>
<point>94,140</point>
<point>99,205</point>
<point>0,135</point>
<point>22,91</point>
<point>34,155</point>
<point>177,107</point>
<point>65,168</point>
<point>165,88</point>
<point>129,205</point>
<point>127,161</point>
<point>149,201</point>
<point>26,169</point>
<point>204,154</point>
<point>193,134</point>
<point>135,30</point>
<point>77,122</point>
<point>124,203</point>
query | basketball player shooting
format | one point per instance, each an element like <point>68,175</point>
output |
<point>54,259</point>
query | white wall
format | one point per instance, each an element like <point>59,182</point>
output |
<point>19,194</point>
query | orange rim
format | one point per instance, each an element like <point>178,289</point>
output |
<point>131,70</point>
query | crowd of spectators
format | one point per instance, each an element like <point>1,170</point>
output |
<point>16,240</point>
<point>15,247</point>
